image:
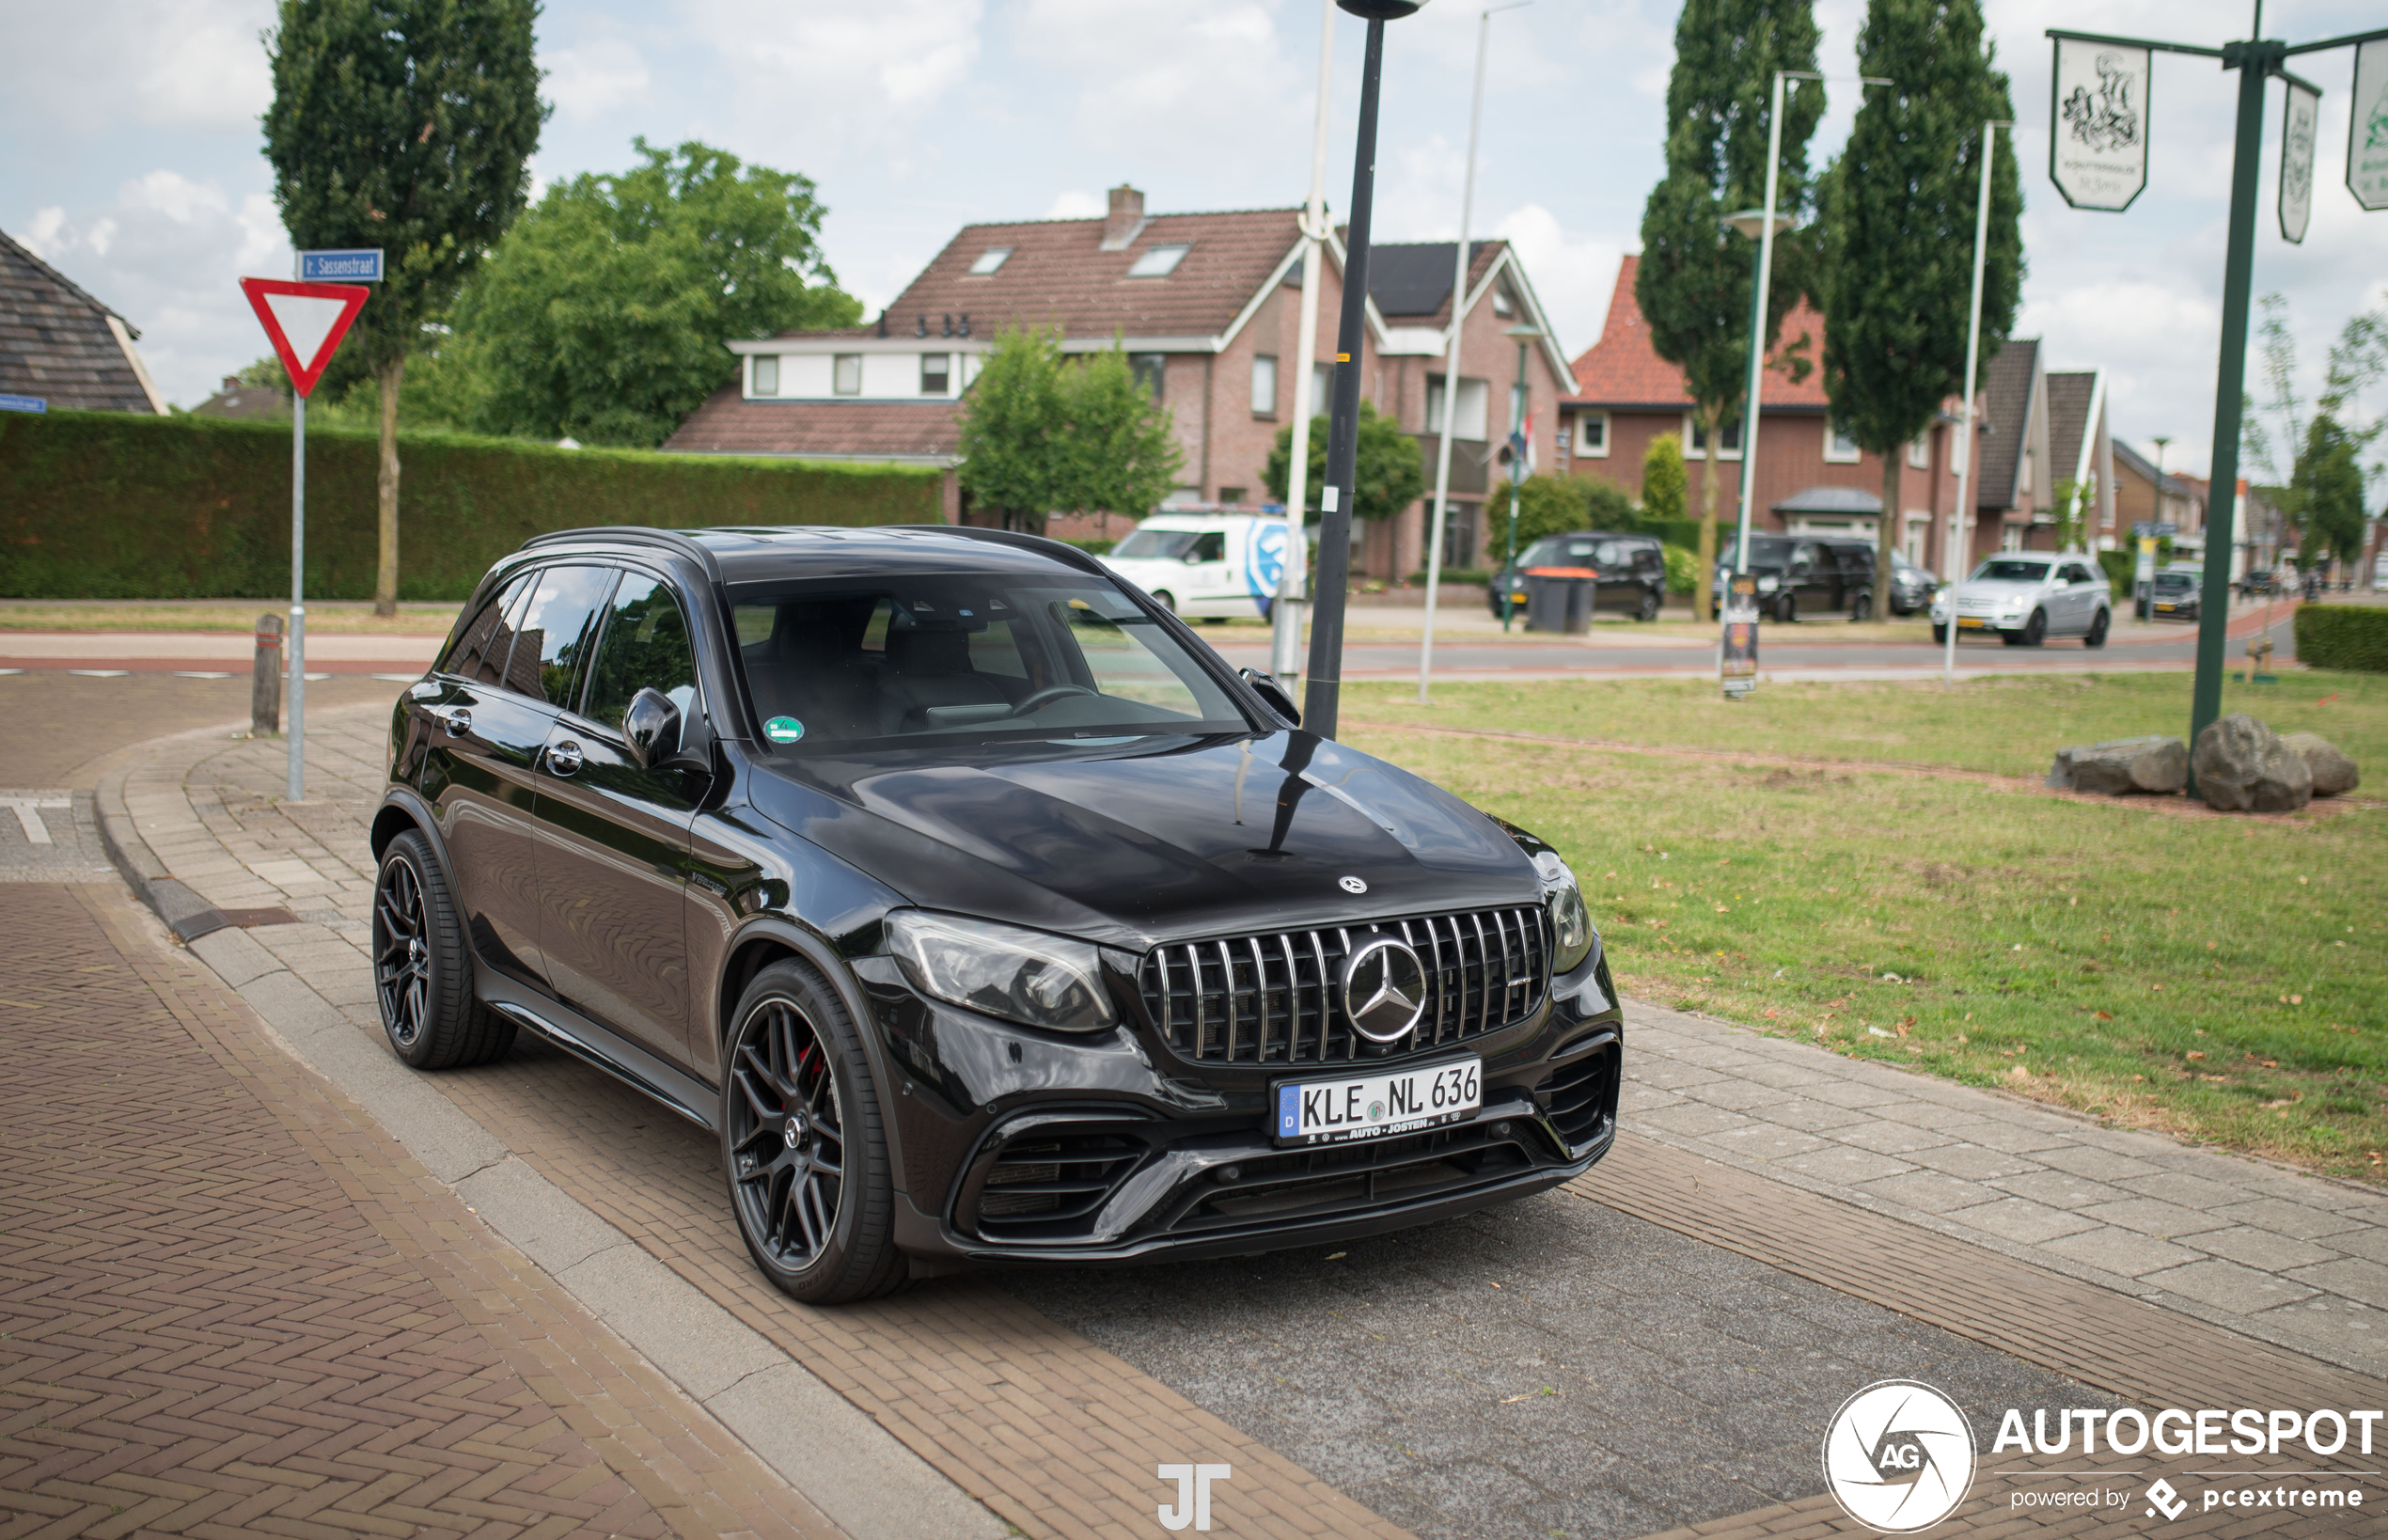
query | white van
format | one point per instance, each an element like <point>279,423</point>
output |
<point>1207,566</point>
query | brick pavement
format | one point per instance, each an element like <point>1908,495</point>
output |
<point>230,1304</point>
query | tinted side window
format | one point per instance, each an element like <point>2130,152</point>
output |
<point>556,632</point>
<point>479,652</point>
<point>644,647</point>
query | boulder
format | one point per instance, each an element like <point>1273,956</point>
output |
<point>2126,765</point>
<point>2243,767</point>
<point>2333,771</point>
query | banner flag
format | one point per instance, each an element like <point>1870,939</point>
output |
<point>2367,134</point>
<point>2300,120</point>
<point>2097,124</point>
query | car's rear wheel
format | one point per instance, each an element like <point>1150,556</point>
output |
<point>422,967</point>
<point>803,1145</point>
<point>2035,629</point>
<point>2097,636</point>
<point>1786,608</point>
<point>1168,600</point>
<point>1862,607</point>
<point>1649,607</point>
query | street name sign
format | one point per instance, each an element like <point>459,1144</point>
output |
<point>2097,128</point>
<point>2299,122</point>
<point>305,321</point>
<point>359,264</point>
<point>24,403</point>
<point>2367,134</point>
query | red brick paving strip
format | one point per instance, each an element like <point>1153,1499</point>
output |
<point>229,1304</point>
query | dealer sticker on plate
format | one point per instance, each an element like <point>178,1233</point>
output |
<point>1373,1106</point>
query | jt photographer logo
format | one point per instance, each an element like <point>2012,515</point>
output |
<point>1193,1505</point>
<point>1898,1457</point>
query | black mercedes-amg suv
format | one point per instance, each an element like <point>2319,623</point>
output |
<point>985,912</point>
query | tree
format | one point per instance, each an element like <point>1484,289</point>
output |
<point>1695,275</point>
<point>2328,486</point>
<point>1899,216</point>
<point>1607,503</point>
<point>603,314</point>
<point>1388,475</point>
<point>1041,433</point>
<point>1664,486</point>
<point>406,125</point>
<point>1547,505</point>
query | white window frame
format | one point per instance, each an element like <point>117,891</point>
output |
<point>1919,454</point>
<point>845,375</point>
<point>990,261</point>
<point>1264,384</point>
<point>762,374</point>
<point>1503,306</point>
<point>1159,261</point>
<point>1474,404</point>
<point>1915,538</point>
<point>1693,449</point>
<point>1581,452</point>
<point>947,370</point>
<point>1834,439</point>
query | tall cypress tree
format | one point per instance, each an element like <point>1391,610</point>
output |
<point>1693,283</point>
<point>402,124</point>
<point>1897,253</point>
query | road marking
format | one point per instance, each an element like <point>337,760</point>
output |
<point>100,673</point>
<point>400,679</point>
<point>195,673</point>
<point>35,831</point>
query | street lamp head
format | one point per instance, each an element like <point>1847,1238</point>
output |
<point>1753,222</point>
<point>1522,333</point>
<point>1381,10</point>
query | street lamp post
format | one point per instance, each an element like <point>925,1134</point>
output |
<point>1285,617</point>
<point>1321,692</point>
<point>1957,516</point>
<point>1763,226</point>
<point>1525,335</point>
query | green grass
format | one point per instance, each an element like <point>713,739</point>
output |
<point>2225,979</point>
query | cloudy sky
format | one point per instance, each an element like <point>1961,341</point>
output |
<point>129,138</point>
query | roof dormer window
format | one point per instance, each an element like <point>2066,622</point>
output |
<point>989,259</point>
<point>1159,261</point>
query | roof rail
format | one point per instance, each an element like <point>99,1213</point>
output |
<point>1059,550</point>
<point>671,540</point>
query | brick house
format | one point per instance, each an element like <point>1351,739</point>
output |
<point>61,346</point>
<point>1207,307</point>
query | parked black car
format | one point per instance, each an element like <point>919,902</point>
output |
<point>1800,575</point>
<point>1629,572</point>
<point>2177,596</point>
<point>982,911</point>
<point>2259,580</point>
<point>1912,586</point>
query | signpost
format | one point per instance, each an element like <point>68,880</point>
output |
<point>2098,160</point>
<point>24,403</point>
<point>2299,117</point>
<point>305,321</point>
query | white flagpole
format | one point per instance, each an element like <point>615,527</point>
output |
<point>1952,558</point>
<point>1285,652</point>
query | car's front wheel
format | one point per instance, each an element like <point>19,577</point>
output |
<point>1649,608</point>
<point>423,968</point>
<point>1862,607</point>
<point>2035,629</point>
<point>1786,608</point>
<point>1940,634</point>
<point>2097,636</point>
<point>803,1145</point>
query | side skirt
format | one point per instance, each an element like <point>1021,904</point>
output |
<point>595,1045</point>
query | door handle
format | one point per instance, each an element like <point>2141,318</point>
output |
<point>457,722</point>
<point>564,757</point>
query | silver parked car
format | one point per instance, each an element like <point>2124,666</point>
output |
<point>2027,599</point>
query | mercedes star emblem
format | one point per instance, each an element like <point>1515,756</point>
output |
<point>1351,885</point>
<point>1384,989</point>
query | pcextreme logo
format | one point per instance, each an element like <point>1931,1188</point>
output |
<point>1898,1457</point>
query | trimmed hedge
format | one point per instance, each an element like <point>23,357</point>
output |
<point>110,505</point>
<point>2351,637</point>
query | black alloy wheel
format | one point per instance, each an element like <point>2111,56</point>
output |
<point>803,1143</point>
<point>1862,607</point>
<point>2097,636</point>
<point>422,969</point>
<point>1648,610</point>
<point>2035,629</point>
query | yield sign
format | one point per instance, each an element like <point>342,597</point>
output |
<point>305,321</point>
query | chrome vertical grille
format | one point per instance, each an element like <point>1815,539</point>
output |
<point>1275,997</point>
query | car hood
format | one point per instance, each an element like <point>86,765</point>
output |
<point>1193,836</point>
<point>2002,589</point>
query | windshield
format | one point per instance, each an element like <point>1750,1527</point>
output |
<point>1765,551</point>
<point>2171,581</point>
<point>946,661</point>
<point>1154,545</point>
<point>1558,551</point>
<point>2010,570</point>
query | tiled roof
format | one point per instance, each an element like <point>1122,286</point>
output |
<point>2068,406</point>
<point>55,341</point>
<point>2007,383</point>
<point>1410,280</point>
<point>1624,369</point>
<point>1059,272</point>
<point>727,424</point>
<point>253,403</point>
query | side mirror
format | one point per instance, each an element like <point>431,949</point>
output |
<point>651,724</point>
<point>1272,694</point>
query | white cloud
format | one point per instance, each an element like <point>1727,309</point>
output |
<point>1572,274</point>
<point>602,75</point>
<point>190,65</point>
<point>823,80</point>
<point>1075,204</point>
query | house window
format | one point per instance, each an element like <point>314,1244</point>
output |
<point>1919,454</point>
<point>1839,446</point>
<point>1233,496</point>
<point>989,261</point>
<point>1503,306</point>
<point>936,369</point>
<point>1148,368</point>
<point>1468,423</point>
<point>1158,261</point>
<point>1591,434</point>
<point>1322,389</point>
<point>1696,440</point>
<point>766,375</point>
<point>848,380</point>
<point>2011,538</point>
<point>1264,385</point>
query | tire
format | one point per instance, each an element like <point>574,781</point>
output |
<point>2011,639</point>
<point>2035,629</point>
<point>812,1192</point>
<point>1786,608</point>
<point>1168,600</point>
<point>423,967</point>
<point>2097,636</point>
<point>1940,634</point>
<point>1862,607</point>
<point>1648,609</point>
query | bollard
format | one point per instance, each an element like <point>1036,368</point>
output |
<point>266,679</point>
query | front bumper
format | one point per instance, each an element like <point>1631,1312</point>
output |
<point>1023,1147</point>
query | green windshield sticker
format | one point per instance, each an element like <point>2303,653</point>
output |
<point>783,730</point>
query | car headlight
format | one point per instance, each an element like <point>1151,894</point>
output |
<point>1025,976</point>
<point>1766,585</point>
<point>1571,936</point>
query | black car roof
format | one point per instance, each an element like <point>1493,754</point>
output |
<point>767,553</point>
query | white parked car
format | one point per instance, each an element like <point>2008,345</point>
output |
<point>2028,598</point>
<point>1207,566</point>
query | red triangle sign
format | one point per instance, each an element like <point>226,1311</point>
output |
<point>305,321</point>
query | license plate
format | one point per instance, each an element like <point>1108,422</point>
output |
<point>1970,622</point>
<point>2164,606</point>
<point>1373,1106</point>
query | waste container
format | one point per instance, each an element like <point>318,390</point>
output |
<point>1559,599</point>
